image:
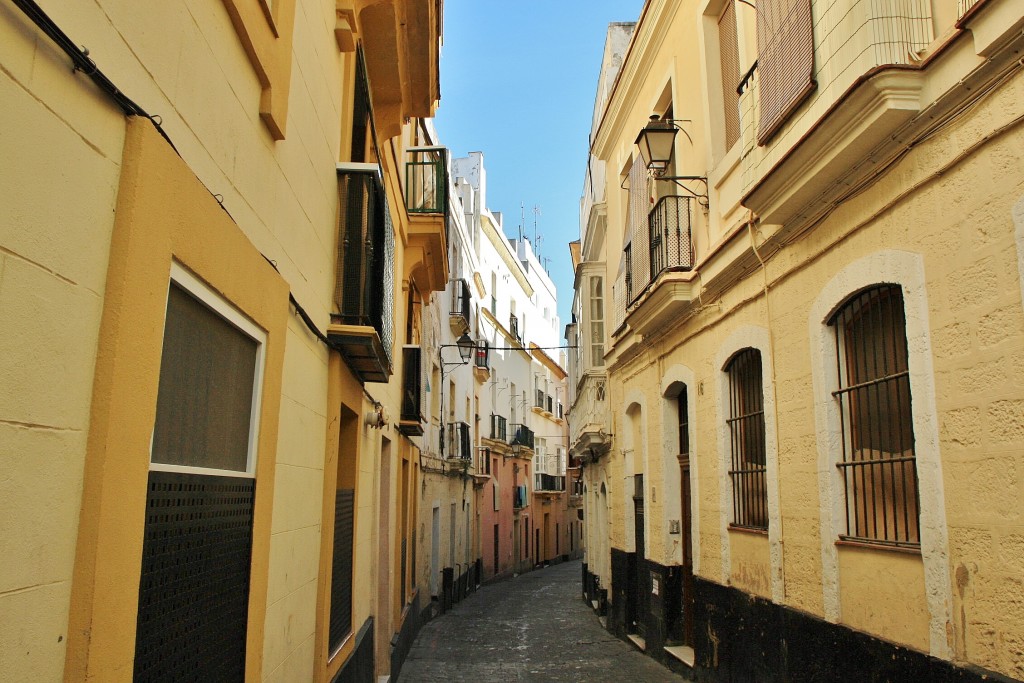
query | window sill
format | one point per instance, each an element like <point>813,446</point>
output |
<point>884,547</point>
<point>748,530</point>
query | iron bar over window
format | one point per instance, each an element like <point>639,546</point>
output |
<point>746,431</point>
<point>878,455</point>
<point>682,406</point>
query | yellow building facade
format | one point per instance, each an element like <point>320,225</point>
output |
<point>813,329</point>
<point>203,466</point>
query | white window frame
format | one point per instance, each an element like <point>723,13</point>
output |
<point>209,298</point>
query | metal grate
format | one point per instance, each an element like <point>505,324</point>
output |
<point>671,247</point>
<point>682,405</point>
<point>194,586</point>
<point>746,431</point>
<point>341,568</point>
<point>878,455</point>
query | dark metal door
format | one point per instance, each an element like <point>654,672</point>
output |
<point>642,575</point>
<point>688,602</point>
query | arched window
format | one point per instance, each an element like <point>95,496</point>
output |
<point>878,458</point>
<point>747,440</point>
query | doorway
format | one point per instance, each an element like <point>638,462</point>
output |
<point>641,574</point>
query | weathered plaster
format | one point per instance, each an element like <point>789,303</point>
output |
<point>907,270</point>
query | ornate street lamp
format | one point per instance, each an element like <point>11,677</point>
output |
<point>656,142</point>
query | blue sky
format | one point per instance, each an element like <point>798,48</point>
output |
<point>517,83</point>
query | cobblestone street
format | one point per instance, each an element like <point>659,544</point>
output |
<point>532,628</point>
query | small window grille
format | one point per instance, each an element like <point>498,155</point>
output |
<point>746,431</point>
<point>878,455</point>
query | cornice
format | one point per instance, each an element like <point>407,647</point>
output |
<point>644,47</point>
<point>504,250</point>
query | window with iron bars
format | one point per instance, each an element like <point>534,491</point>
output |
<point>878,462</point>
<point>747,441</point>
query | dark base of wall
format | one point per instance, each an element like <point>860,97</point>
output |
<point>740,637</point>
<point>402,641</point>
<point>358,668</point>
<point>744,638</point>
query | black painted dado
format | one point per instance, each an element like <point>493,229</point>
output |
<point>619,611</point>
<point>403,640</point>
<point>358,668</point>
<point>664,621</point>
<point>744,638</point>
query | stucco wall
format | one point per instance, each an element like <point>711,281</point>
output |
<point>957,598</point>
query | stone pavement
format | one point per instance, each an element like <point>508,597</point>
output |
<point>532,628</point>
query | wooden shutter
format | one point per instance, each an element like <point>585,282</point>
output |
<point>785,61</point>
<point>729,55</point>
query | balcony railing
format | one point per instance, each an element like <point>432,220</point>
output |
<point>460,303</point>
<point>522,436</point>
<point>411,418</point>
<point>669,243</point>
<point>519,498</point>
<point>459,445</point>
<point>362,328</point>
<point>549,482</point>
<point>499,428</point>
<point>426,184</point>
<point>482,356</point>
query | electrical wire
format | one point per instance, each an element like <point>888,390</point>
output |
<point>82,62</point>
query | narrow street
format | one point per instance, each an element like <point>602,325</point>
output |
<point>532,628</point>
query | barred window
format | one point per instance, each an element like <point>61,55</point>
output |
<point>746,431</point>
<point>878,458</point>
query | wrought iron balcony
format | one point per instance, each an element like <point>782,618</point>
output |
<point>499,428</point>
<point>459,446</point>
<point>671,247</point>
<point>411,418</point>
<point>427,205</point>
<point>513,327</point>
<point>362,328</point>
<point>482,357</point>
<point>522,436</point>
<point>549,482</point>
<point>458,317</point>
<point>426,182</point>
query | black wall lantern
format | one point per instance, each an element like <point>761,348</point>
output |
<point>657,143</point>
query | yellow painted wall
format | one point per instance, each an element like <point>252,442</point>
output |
<point>187,63</point>
<point>961,223</point>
